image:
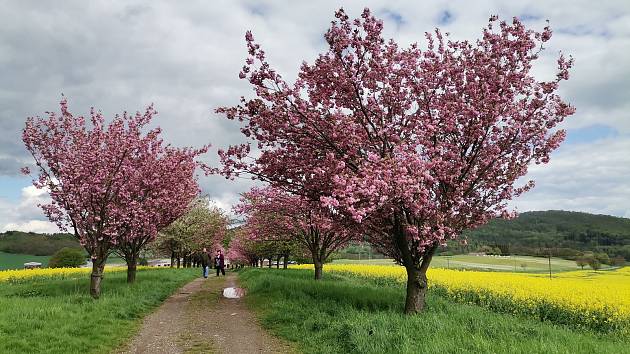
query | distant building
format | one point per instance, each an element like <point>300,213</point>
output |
<point>32,265</point>
<point>160,263</point>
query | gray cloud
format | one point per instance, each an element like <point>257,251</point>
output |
<point>185,57</point>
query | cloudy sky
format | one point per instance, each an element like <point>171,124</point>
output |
<point>185,57</point>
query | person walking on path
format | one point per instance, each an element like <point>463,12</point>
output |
<point>205,262</point>
<point>219,263</point>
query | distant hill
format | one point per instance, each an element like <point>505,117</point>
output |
<point>34,243</point>
<point>538,231</point>
<point>563,233</point>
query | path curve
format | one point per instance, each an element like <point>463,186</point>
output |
<point>197,319</point>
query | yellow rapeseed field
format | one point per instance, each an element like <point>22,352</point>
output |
<point>598,300</point>
<point>23,274</point>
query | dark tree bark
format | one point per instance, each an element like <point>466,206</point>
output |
<point>132,265</point>
<point>416,290</point>
<point>129,250</point>
<point>131,273</point>
<point>319,268</point>
<point>172,259</point>
<point>416,269</point>
<point>98,265</point>
<point>286,260</point>
<point>278,262</point>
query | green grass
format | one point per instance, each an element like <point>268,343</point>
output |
<point>59,316</point>
<point>353,315</point>
<point>508,264</point>
<point>16,261</point>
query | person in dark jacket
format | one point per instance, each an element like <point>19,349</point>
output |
<point>205,262</point>
<point>219,263</point>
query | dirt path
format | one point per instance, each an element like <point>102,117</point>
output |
<point>198,319</point>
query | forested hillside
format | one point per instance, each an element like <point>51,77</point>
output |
<point>34,243</point>
<point>563,233</point>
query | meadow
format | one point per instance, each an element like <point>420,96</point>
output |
<point>345,313</point>
<point>54,313</point>
<point>524,264</point>
<point>16,261</point>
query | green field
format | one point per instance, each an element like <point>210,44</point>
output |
<point>16,261</point>
<point>492,263</point>
<point>342,314</point>
<point>59,316</point>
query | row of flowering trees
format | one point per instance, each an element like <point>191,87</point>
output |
<point>247,250</point>
<point>274,216</point>
<point>406,146</point>
<point>114,184</point>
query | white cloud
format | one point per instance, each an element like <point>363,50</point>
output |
<point>586,177</point>
<point>26,215</point>
<point>39,226</point>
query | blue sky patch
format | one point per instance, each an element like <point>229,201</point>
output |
<point>590,133</point>
<point>396,17</point>
<point>11,187</point>
<point>529,17</point>
<point>445,17</point>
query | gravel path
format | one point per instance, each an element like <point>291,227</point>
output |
<point>197,319</point>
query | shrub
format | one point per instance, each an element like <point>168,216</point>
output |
<point>67,258</point>
<point>603,258</point>
<point>618,261</point>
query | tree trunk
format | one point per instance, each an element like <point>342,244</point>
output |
<point>416,290</point>
<point>286,261</point>
<point>132,265</point>
<point>319,267</point>
<point>269,265</point>
<point>178,261</point>
<point>97,275</point>
<point>278,262</point>
<point>172,259</point>
<point>318,263</point>
<point>416,273</point>
<point>131,272</point>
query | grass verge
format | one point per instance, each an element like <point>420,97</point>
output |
<point>48,315</point>
<point>343,314</point>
